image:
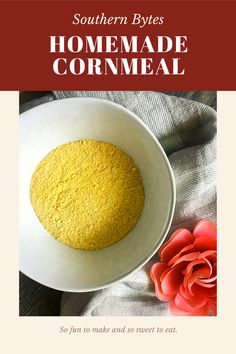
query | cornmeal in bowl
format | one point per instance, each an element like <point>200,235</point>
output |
<point>87,194</point>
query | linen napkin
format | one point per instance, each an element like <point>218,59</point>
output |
<point>187,131</point>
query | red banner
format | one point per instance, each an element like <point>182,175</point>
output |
<point>158,45</point>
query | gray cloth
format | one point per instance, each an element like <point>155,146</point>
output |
<point>187,131</point>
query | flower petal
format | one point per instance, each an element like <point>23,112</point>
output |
<point>205,228</point>
<point>208,263</point>
<point>190,266</point>
<point>210,280</point>
<point>185,292</point>
<point>155,273</point>
<point>203,272</point>
<point>181,239</point>
<point>214,269</point>
<point>185,249</point>
<point>189,304</point>
<point>174,310</point>
<point>188,273</point>
<point>187,276</point>
<point>177,312</point>
<point>204,243</point>
<point>203,311</point>
<point>204,285</point>
<point>171,282</point>
<point>207,253</point>
<point>187,258</point>
<point>168,241</point>
<point>204,292</point>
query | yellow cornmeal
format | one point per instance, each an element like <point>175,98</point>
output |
<point>87,194</point>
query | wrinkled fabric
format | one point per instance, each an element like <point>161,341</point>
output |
<point>187,131</point>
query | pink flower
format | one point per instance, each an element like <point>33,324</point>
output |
<point>186,274</point>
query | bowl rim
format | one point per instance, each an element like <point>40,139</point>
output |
<point>172,197</point>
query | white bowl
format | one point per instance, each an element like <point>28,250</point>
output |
<point>48,261</point>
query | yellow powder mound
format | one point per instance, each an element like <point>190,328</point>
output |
<point>87,194</point>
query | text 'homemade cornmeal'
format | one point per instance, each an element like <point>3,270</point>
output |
<point>87,194</point>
